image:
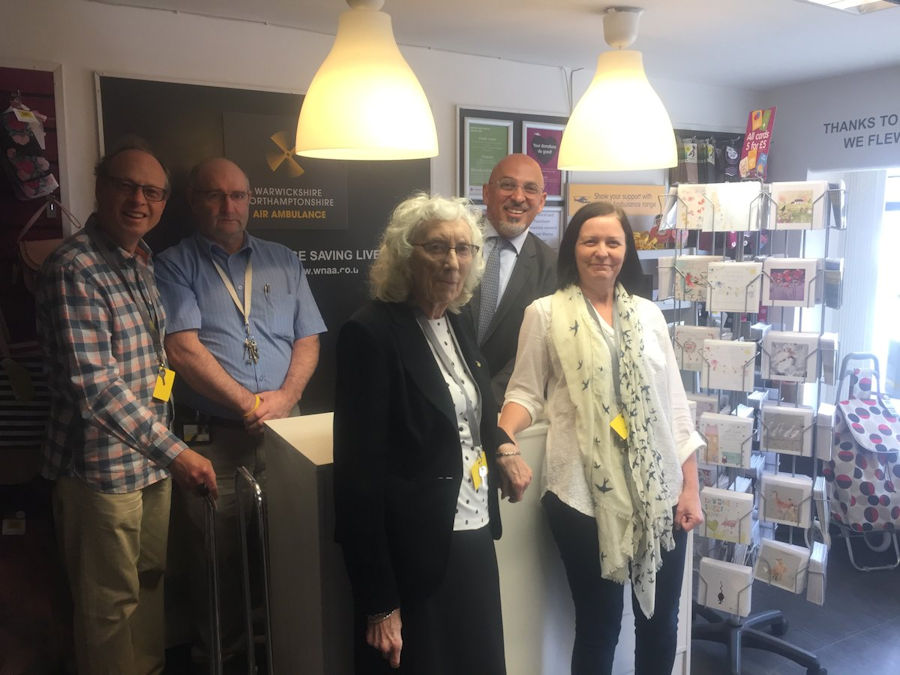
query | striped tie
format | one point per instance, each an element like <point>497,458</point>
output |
<point>490,287</point>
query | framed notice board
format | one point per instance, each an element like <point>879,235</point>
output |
<point>330,212</point>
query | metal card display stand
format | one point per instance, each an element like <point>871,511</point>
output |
<point>245,483</point>
<point>762,630</point>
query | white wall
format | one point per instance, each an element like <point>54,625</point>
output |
<point>808,121</point>
<point>85,37</point>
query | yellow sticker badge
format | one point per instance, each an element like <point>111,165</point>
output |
<point>619,426</point>
<point>164,381</point>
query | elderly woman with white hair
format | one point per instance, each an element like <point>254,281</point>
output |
<point>415,444</point>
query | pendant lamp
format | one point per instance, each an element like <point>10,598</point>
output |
<point>620,124</point>
<point>365,101</point>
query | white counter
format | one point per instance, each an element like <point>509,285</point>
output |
<point>310,595</point>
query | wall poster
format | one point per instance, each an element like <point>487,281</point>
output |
<point>487,136</point>
<point>486,143</point>
<point>330,212</point>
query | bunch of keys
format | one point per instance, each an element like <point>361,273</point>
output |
<point>252,350</point>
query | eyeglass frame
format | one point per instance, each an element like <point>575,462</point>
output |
<point>538,189</point>
<point>125,186</point>
<point>445,249</point>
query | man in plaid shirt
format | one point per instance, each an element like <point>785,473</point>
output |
<point>108,446</point>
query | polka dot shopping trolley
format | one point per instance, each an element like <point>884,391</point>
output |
<point>864,472</point>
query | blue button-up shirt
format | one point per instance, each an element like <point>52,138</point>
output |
<point>282,309</point>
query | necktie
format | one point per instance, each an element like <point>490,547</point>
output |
<point>490,287</point>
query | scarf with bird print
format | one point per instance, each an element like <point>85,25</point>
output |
<point>632,503</point>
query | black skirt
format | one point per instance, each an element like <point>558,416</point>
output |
<point>458,630</point>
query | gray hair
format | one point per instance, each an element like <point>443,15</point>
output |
<point>391,277</point>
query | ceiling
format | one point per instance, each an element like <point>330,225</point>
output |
<point>748,44</point>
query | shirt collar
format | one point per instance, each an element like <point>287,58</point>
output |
<point>518,241</point>
<point>142,251</point>
<point>211,247</point>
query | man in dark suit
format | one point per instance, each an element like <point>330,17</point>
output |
<point>523,266</point>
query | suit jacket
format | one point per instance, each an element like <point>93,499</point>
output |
<point>397,455</point>
<point>533,276</point>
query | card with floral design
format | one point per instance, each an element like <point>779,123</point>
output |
<point>786,498</point>
<point>792,282</point>
<point>695,211</point>
<point>734,286</point>
<point>798,205</point>
<point>725,586</point>
<point>789,356</point>
<point>786,429</point>
<point>728,439</point>
<point>691,276</point>
<point>689,344</point>
<point>728,364</point>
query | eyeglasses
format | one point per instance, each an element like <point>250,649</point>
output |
<point>440,249</point>
<point>509,185</point>
<point>126,187</point>
<point>219,195</point>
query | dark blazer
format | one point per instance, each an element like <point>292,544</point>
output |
<point>533,276</point>
<point>397,456</point>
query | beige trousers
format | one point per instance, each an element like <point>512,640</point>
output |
<point>114,550</point>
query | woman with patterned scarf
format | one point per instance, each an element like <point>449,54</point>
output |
<point>620,485</point>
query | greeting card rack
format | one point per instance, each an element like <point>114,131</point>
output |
<point>727,298</point>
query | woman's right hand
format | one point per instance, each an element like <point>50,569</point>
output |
<point>385,636</point>
<point>515,474</point>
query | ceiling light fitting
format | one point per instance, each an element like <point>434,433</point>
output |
<point>620,123</point>
<point>364,102</point>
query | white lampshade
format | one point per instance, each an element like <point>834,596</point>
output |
<point>620,124</point>
<point>365,101</point>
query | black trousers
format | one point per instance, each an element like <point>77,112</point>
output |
<point>457,630</point>
<point>599,602</point>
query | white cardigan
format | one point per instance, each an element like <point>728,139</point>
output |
<point>538,370</point>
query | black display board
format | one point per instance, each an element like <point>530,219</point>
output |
<point>186,123</point>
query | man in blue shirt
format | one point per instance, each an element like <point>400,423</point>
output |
<point>243,335</point>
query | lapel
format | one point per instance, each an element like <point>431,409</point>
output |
<point>417,358</point>
<point>523,270</point>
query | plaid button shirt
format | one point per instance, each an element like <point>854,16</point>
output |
<point>105,426</point>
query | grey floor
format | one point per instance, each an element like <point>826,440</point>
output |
<point>856,632</point>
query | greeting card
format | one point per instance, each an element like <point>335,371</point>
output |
<point>828,350</point>
<point>728,439</point>
<point>726,515</point>
<point>822,509</point>
<point>734,286</point>
<point>719,207</point>
<point>738,206</point>
<point>728,364</point>
<point>783,565</point>
<point>691,276</point>
<point>825,420</point>
<point>695,211</point>
<point>787,499</point>
<point>689,344</point>
<point>789,356</point>
<point>703,403</point>
<point>725,586</point>
<point>818,563</point>
<point>792,282</point>
<point>665,272</point>
<point>787,430</point>
<point>833,284</point>
<point>798,205</point>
